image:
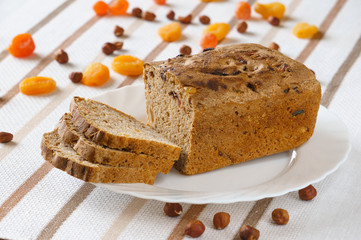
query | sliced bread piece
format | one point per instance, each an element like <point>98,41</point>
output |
<point>63,156</point>
<point>96,153</point>
<point>108,126</point>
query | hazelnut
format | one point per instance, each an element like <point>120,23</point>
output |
<point>173,209</point>
<point>149,16</point>
<point>248,233</point>
<point>118,45</point>
<point>221,220</point>
<point>273,46</point>
<point>186,20</point>
<point>108,48</point>
<point>204,19</point>
<point>76,77</point>
<point>242,27</point>
<point>137,12</point>
<point>280,216</point>
<point>61,56</point>
<point>185,50</point>
<point>274,21</point>
<point>194,229</point>
<point>171,15</point>
<point>5,137</point>
<point>118,31</point>
<point>307,193</point>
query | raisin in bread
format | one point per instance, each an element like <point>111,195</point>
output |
<point>231,104</point>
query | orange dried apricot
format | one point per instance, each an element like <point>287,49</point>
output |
<point>95,74</point>
<point>119,7</point>
<point>274,9</point>
<point>37,85</point>
<point>22,45</point>
<point>170,32</point>
<point>209,40</point>
<point>127,65</point>
<point>243,10</point>
<point>218,29</point>
<point>304,30</point>
<point>160,2</point>
<point>101,8</point>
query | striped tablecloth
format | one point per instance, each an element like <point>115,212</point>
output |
<point>40,202</point>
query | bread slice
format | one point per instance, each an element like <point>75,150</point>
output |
<point>95,153</point>
<point>63,157</point>
<point>108,126</point>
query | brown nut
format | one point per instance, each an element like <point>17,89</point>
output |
<point>308,193</point>
<point>118,31</point>
<point>274,21</point>
<point>137,12</point>
<point>273,46</point>
<point>280,216</point>
<point>171,15</point>
<point>61,56</point>
<point>149,16</point>
<point>186,20</point>
<point>248,233</point>
<point>5,137</point>
<point>173,209</point>
<point>242,27</point>
<point>194,229</point>
<point>185,50</point>
<point>204,19</point>
<point>108,48</point>
<point>76,77</point>
<point>221,220</point>
<point>118,45</point>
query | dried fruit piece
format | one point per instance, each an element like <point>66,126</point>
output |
<point>149,16</point>
<point>204,19</point>
<point>37,85</point>
<point>170,32</point>
<point>61,56</point>
<point>185,50</point>
<point>160,2</point>
<point>108,48</point>
<point>5,137</point>
<point>119,7</point>
<point>22,45</point>
<point>137,12</point>
<point>274,9</point>
<point>171,15</point>
<point>95,74</point>
<point>194,229</point>
<point>209,40</point>
<point>127,65</point>
<point>242,27</point>
<point>219,29</point>
<point>308,193</point>
<point>248,233</point>
<point>304,30</point>
<point>173,209</point>
<point>186,20</point>
<point>274,46</point>
<point>274,21</point>
<point>76,77</point>
<point>243,10</point>
<point>118,31</point>
<point>221,220</point>
<point>101,8</point>
<point>280,216</point>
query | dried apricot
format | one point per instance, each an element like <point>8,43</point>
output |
<point>170,32</point>
<point>127,65</point>
<point>274,9</point>
<point>304,30</point>
<point>219,29</point>
<point>22,45</point>
<point>160,2</point>
<point>119,7</point>
<point>101,8</point>
<point>243,10</point>
<point>95,74</point>
<point>209,40</point>
<point>37,85</point>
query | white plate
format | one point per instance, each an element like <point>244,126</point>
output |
<point>260,178</point>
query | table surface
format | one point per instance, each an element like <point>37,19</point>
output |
<point>41,202</point>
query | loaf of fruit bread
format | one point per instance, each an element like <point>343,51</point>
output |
<point>231,104</point>
<point>99,154</point>
<point>62,156</point>
<point>110,127</point>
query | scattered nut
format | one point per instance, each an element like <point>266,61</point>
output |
<point>186,20</point>
<point>185,50</point>
<point>108,48</point>
<point>76,77</point>
<point>308,193</point>
<point>280,216</point>
<point>274,46</point>
<point>242,27</point>
<point>194,229</point>
<point>118,45</point>
<point>5,137</point>
<point>173,209</point>
<point>61,56</point>
<point>171,15</point>
<point>274,21</point>
<point>149,16</point>
<point>118,31</point>
<point>204,19</point>
<point>137,12</point>
<point>248,233</point>
<point>221,220</point>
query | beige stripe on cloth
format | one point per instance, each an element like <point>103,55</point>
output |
<point>42,23</point>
